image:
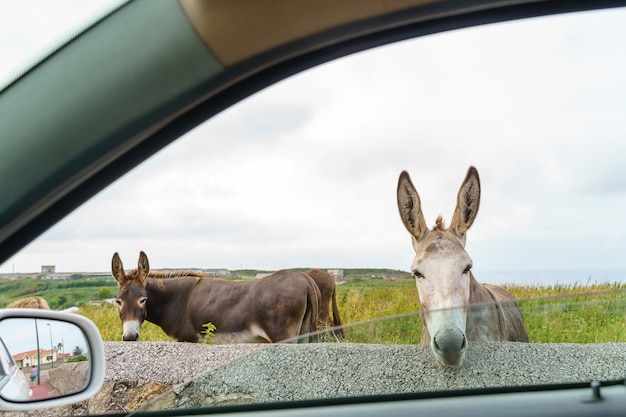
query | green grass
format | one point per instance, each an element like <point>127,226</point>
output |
<point>574,313</point>
<point>60,294</point>
<point>363,300</point>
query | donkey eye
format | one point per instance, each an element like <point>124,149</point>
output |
<point>118,302</point>
<point>467,269</point>
<point>417,274</point>
<point>142,301</point>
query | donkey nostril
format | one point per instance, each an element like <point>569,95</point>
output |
<point>449,341</point>
<point>130,337</point>
<point>436,345</point>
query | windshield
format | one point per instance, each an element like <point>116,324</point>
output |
<point>513,133</point>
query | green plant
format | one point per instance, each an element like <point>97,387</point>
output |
<point>209,332</point>
<point>77,358</point>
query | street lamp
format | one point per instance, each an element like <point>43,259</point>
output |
<point>38,354</point>
<point>51,345</point>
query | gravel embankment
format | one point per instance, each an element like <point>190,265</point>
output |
<point>168,363</point>
<point>297,372</point>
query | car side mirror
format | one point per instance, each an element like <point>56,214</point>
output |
<point>48,359</point>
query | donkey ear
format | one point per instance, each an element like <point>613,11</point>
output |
<point>143,268</point>
<point>410,207</point>
<point>467,203</point>
<point>117,269</point>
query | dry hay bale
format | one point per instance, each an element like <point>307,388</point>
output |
<point>30,302</point>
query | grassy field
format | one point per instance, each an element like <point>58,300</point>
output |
<point>574,314</point>
<point>60,294</point>
<point>554,314</point>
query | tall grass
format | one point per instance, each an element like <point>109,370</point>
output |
<point>573,313</point>
<point>367,300</point>
<point>553,314</point>
<point>107,319</point>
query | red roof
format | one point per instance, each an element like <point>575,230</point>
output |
<point>31,354</point>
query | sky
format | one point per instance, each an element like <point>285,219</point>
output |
<point>23,335</point>
<point>304,173</point>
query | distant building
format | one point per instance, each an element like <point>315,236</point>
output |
<point>217,273</point>
<point>337,274</point>
<point>48,269</point>
<point>31,358</point>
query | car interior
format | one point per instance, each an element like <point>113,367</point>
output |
<point>134,83</point>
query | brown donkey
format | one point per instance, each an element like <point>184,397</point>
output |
<point>281,306</point>
<point>455,307</point>
<point>326,283</point>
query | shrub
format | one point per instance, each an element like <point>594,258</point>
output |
<point>209,332</point>
<point>104,292</point>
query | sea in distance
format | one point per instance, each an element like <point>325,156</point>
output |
<point>579,277</point>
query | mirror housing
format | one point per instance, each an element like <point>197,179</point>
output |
<point>95,354</point>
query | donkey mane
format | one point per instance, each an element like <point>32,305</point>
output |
<point>166,274</point>
<point>440,224</point>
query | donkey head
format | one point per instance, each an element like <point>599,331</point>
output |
<point>131,297</point>
<point>441,267</point>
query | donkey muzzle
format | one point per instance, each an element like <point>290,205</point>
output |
<point>131,331</point>
<point>449,347</point>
